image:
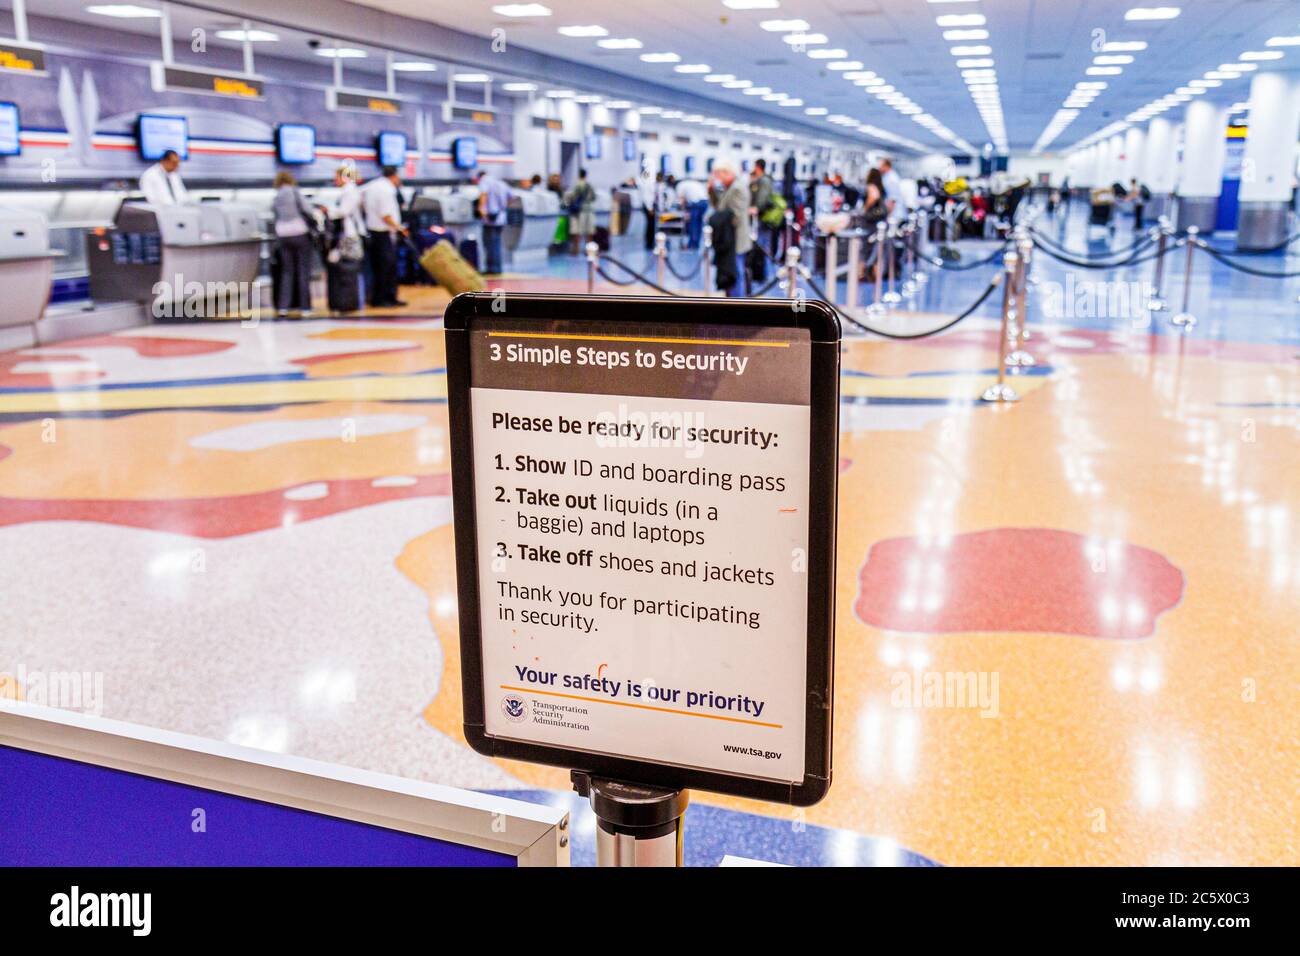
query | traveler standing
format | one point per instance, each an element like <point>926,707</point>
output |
<point>649,191</point>
<point>760,198</point>
<point>1140,195</point>
<point>580,204</point>
<point>293,246</point>
<point>895,202</point>
<point>384,225</point>
<point>735,201</point>
<point>694,199</point>
<point>493,199</point>
<point>344,260</point>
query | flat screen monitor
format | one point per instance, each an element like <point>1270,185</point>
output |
<point>592,146</point>
<point>464,152</point>
<point>295,144</point>
<point>665,164</point>
<point>629,149</point>
<point>690,165</point>
<point>156,134</point>
<point>391,148</point>
<point>10,145</point>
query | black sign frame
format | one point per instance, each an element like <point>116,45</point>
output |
<point>462,315</point>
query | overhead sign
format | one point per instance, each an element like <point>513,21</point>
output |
<point>362,101</point>
<point>452,113</point>
<point>645,527</point>
<point>19,58</point>
<point>544,122</point>
<point>177,79</point>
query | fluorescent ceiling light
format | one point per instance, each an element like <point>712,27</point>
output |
<point>419,66</point>
<point>125,11</point>
<point>816,111</point>
<point>1112,60</point>
<point>519,87</point>
<point>660,58</point>
<point>1152,13</point>
<point>828,54</point>
<point>692,68</point>
<point>794,102</point>
<point>587,98</point>
<point>1104,70</point>
<point>252,36</point>
<point>1190,90</point>
<point>758,91</point>
<point>620,43</point>
<point>961,20</point>
<point>977,62</point>
<point>589,30</point>
<point>341,53</point>
<point>842,65</point>
<point>1222,75</point>
<point>1261,55</point>
<point>805,39</point>
<point>1124,46</point>
<point>1206,84</point>
<point>785,26</point>
<point>521,10</point>
<point>559,94</point>
<point>965,34</point>
<point>1283,41</point>
<point>971,50</point>
<point>719,78</point>
<point>738,85</point>
<point>472,77</point>
<point>1238,67</point>
<point>775,97</point>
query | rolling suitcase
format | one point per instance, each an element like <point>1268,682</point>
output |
<point>469,252</point>
<point>344,287</point>
<point>450,270</point>
<point>601,238</point>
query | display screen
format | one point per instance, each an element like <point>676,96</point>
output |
<point>295,143</point>
<point>665,164</point>
<point>593,146</point>
<point>155,134</point>
<point>9,130</point>
<point>464,152</point>
<point>690,165</point>
<point>629,149</point>
<point>391,149</point>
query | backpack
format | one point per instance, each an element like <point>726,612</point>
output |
<point>773,215</point>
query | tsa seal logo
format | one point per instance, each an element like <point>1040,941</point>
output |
<point>515,708</point>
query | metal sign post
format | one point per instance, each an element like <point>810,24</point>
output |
<point>644,493</point>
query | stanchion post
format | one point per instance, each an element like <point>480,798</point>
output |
<point>706,266</point>
<point>1157,301</point>
<point>877,307</point>
<point>891,297</point>
<point>1018,357</point>
<point>789,228</point>
<point>1001,391</point>
<point>832,267</point>
<point>1185,319</point>
<point>661,254</point>
<point>790,271</point>
<point>593,256</point>
<point>855,257</point>
<point>636,825</point>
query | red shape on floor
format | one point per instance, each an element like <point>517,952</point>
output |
<point>224,516</point>
<point>150,346</point>
<point>1017,579</point>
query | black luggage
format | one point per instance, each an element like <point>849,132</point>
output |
<point>601,238</point>
<point>344,287</point>
<point>468,249</point>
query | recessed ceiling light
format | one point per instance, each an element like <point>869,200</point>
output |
<point>519,87</point>
<point>522,10</point>
<point>1152,13</point>
<point>125,11</point>
<point>965,34</point>
<point>620,43</point>
<point>758,91</point>
<point>775,97</point>
<point>472,77</point>
<point>719,78</point>
<point>738,85</point>
<point>1190,90</point>
<point>1206,84</point>
<point>1238,67</point>
<point>805,39</point>
<point>1262,55</point>
<point>977,62</point>
<point>1283,41</point>
<point>828,54</point>
<point>859,75</point>
<point>961,20</point>
<point>560,94</point>
<point>252,36</point>
<point>341,53</point>
<point>1222,75</point>
<point>784,26</point>
<point>1104,70</point>
<point>1112,59</point>
<point>816,111</point>
<point>971,50</point>
<point>692,68</point>
<point>842,65</point>
<point>416,66</point>
<point>588,30</point>
<point>660,58</point>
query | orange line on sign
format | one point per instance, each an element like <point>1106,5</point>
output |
<point>623,703</point>
<point>788,511</point>
<point>634,338</point>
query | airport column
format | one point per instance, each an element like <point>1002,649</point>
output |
<point>1205,148</point>
<point>1134,144</point>
<point>1118,160</point>
<point>1160,165</point>
<point>1270,159</point>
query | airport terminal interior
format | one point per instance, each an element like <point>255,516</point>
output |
<point>1063,245</point>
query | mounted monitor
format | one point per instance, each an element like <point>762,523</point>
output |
<point>156,133</point>
<point>390,148</point>
<point>10,128</point>
<point>629,149</point>
<point>295,144</point>
<point>592,146</point>
<point>464,152</point>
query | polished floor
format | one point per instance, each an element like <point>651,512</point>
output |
<point>1066,627</point>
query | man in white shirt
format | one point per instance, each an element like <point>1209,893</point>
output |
<point>694,198</point>
<point>895,201</point>
<point>161,182</point>
<point>384,224</point>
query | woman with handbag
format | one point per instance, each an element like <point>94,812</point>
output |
<point>346,255</point>
<point>294,220</point>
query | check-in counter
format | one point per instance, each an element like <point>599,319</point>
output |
<point>603,207</point>
<point>625,207</point>
<point>452,211</point>
<point>531,218</point>
<point>168,255</point>
<point>26,271</point>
